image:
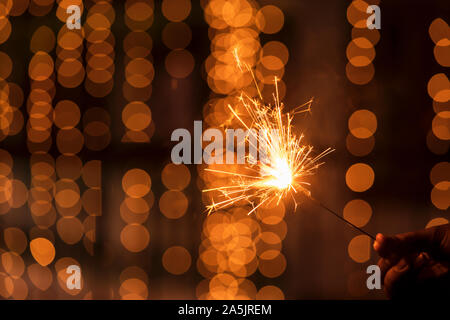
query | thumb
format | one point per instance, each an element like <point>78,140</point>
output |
<point>435,240</point>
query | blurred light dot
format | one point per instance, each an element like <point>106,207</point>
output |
<point>66,114</point>
<point>442,52</point>
<point>176,35</point>
<point>357,14</point>
<point>91,173</point>
<point>359,177</point>
<point>131,93</point>
<point>133,289</point>
<point>438,30</point>
<point>139,72</point>
<point>134,237</point>
<point>237,13</point>
<point>280,229</point>
<point>41,66</point>
<point>69,167</point>
<point>271,213</point>
<point>277,49</point>
<point>176,260</point>
<point>13,264</point>
<point>6,63</point>
<point>373,35</point>
<point>176,10</point>
<point>61,11</point>
<point>274,267</point>
<point>19,7</point>
<point>360,75</point>
<point>69,141</point>
<point>437,146</point>
<point>67,193</point>
<point>45,220</point>
<point>20,291</point>
<point>358,212</point>
<point>270,293</point>
<point>173,204</point>
<point>40,205</point>
<point>5,29</point>
<point>6,162</point>
<point>62,275</point>
<point>40,8</point>
<point>16,96</point>
<point>92,201</point>
<point>362,124</point>
<point>135,210</point>
<point>104,8</point>
<point>136,183</point>
<point>360,52</point>
<point>272,63</point>
<point>439,87</point>
<point>15,240</point>
<point>139,10</point>
<point>70,40</point>
<point>97,21</point>
<point>137,44</point>
<point>175,176</point>
<point>359,147</point>
<point>440,172</point>
<point>42,251</point>
<point>223,286</point>
<point>440,195</point>
<point>179,63</point>
<point>441,125</point>
<point>247,289</point>
<point>71,73</point>
<point>136,116</point>
<point>139,136</point>
<point>70,229</point>
<point>40,276</point>
<point>17,193</point>
<point>269,19</point>
<point>6,285</point>
<point>43,39</point>
<point>99,83</point>
<point>134,272</point>
<point>97,135</point>
<point>359,248</point>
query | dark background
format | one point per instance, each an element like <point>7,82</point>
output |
<point>317,34</point>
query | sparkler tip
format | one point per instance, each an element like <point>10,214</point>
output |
<point>287,160</point>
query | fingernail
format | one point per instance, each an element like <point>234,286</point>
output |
<point>379,237</point>
<point>419,261</point>
<point>402,266</point>
<point>376,245</point>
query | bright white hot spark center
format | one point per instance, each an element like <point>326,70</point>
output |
<point>278,174</point>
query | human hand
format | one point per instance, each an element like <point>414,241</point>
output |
<point>415,264</point>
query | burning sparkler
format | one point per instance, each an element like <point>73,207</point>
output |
<point>287,161</point>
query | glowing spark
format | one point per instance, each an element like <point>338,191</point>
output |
<point>286,163</point>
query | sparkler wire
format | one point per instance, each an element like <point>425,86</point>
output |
<point>320,204</point>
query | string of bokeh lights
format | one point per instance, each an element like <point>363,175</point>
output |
<point>234,245</point>
<point>438,138</point>
<point>360,141</point>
